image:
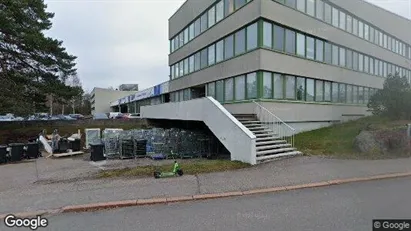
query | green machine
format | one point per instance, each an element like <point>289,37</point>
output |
<point>177,171</point>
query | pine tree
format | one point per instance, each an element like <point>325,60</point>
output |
<point>32,66</point>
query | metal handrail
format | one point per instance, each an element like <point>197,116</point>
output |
<point>268,119</point>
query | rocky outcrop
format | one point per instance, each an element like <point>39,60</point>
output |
<point>382,141</point>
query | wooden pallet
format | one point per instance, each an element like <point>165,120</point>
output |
<point>67,154</point>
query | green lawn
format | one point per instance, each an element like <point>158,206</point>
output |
<point>337,140</point>
<point>191,168</point>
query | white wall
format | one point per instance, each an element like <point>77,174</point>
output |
<point>238,140</point>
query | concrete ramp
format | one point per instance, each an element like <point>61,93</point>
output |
<point>239,140</point>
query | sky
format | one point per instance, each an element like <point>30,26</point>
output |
<point>126,41</point>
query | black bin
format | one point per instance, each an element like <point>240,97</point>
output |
<point>74,145</point>
<point>97,152</point>
<point>63,145</point>
<point>33,150</point>
<point>16,152</point>
<point>3,154</point>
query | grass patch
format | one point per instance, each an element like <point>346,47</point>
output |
<point>337,140</point>
<point>191,168</point>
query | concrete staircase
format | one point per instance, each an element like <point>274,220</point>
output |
<point>269,146</point>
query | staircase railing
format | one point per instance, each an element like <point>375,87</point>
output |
<point>281,129</point>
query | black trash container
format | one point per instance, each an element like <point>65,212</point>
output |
<point>74,145</point>
<point>63,145</point>
<point>97,152</point>
<point>16,152</point>
<point>3,154</point>
<point>33,150</point>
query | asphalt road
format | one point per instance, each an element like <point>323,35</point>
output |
<point>342,207</point>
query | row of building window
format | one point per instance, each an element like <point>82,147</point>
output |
<point>235,44</point>
<point>349,23</point>
<point>287,87</point>
<point>207,19</point>
<point>287,41</point>
<point>291,42</point>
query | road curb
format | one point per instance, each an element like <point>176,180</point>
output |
<point>166,200</point>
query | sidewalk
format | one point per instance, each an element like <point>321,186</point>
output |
<point>299,170</point>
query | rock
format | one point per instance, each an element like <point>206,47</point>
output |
<point>365,142</point>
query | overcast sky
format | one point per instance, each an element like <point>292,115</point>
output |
<point>125,41</point>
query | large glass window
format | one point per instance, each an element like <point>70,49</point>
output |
<point>360,95</point>
<point>335,17</point>
<point>301,5</point>
<point>228,89</point>
<point>181,68</point>
<point>290,41</point>
<point>349,59</point>
<point>311,7</point>
<point>228,7</point>
<point>252,85</point>
<point>211,89</point>
<point>319,50</point>
<point>191,31</point>
<point>204,58</point>
<point>228,47</point>
<point>278,86</point>
<point>349,23</point>
<point>335,92</point>
<point>300,88</point>
<point>310,48</point>
<point>349,94</point>
<point>327,91</point>
<point>335,55</point>
<point>219,91</point>
<point>185,66</point>
<point>319,90</point>
<point>211,54</point>
<point>327,53</point>
<point>342,96</point>
<point>203,22</point>
<point>191,63</point>
<point>197,61</point>
<point>267,85</point>
<point>290,3</point>
<point>197,27</point>
<point>355,26</point>
<point>355,94</point>
<point>177,71</point>
<point>239,42</point>
<point>219,11</point>
<point>290,87</point>
<point>211,16</point>
<point>279,38</point>
<point>219,51</point>
<point>252,36</point>
<point>361,29</point>
<point>186,35</point>
<point>342,57</point>
<point>239,3</point>
<point>366,64</point>
<point>366,32</point>
<point>327,13</point>
<point>240,87</point>
<point>319,10</point>
<point>342,20</point>
<point>310,90</point>
<point>366,95</point>
<point>360,62</point>
<point>355,61</point>
<point>300,44</point>
<point>267,34</point>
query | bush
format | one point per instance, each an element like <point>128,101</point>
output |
<point>394,100</point>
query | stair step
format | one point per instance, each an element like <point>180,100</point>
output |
<point>262,143</point>
<point>252,125</point>
<point>258,139</point>
<point>265,134</point>
<point>244,115</point>
<point>274,151</point>
<point>256,128</point>
<point>261,131</point>
<point>260,148</point>
<point>249,121</point>
<point>273,157</point>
